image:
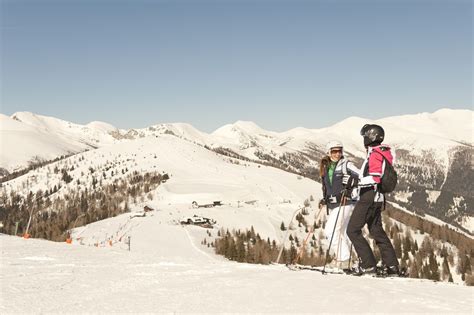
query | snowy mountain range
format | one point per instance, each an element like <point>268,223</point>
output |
<point>434,151</point>
<point>148,262</point>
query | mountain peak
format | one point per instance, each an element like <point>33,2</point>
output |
<point>101,126</point>
<point>21,116</point>
<point>240,127</point>
<point>247,125</point>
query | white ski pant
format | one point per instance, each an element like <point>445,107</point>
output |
<point>341,245</point>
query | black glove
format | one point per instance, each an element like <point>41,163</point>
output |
<point>322,203</point>
<point>350,181</point>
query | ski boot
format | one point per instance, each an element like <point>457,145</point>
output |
<point>359,271</point>
<point>392,271</point>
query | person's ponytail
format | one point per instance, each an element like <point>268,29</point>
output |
<point>323,166</point>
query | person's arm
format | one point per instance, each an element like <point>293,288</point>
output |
<point>322,202</point>
<point>375,166</point>
<point>352,170</point>
<point>351,176</point>
<point>375,171</point>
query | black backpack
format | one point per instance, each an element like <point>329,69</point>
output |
<point>389,178</point>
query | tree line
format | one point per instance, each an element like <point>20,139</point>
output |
<point>53,214</point>
<point>432,259</point>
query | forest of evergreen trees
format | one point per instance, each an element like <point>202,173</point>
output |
<point>53,214</point>
<point>6,176</point>
<point>433,259</point>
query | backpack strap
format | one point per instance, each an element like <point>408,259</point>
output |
<point>384,165</point>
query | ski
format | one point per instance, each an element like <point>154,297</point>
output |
<point>348,272</point>
<point>296,267</point>
<point>380,274</point>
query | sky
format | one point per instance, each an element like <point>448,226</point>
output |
<point>281,64</point>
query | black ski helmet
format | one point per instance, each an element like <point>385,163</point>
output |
<point>373,134</point>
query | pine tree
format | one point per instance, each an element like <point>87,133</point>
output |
<point>414,273</point>
<point>293,253</point>
<point>446,272</point>
<point>240,250</point>
<point>252,232</point>
<point>433,265</point>
<point>425,272</point>
<point>467,262</point>
<point>284,256</point>
<point>282,226</point>
<point>426,246</point>
<point>397,244</point>
<point>444,252</point>
<point>320,251</point>
<point>407,243</point>
<point>405,258</point>
<point>232,254</point>
<point>450,277</point>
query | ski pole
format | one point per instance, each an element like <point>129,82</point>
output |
<point>300,251</point>
<point>286,235</point>
<point>350,257</point>
<point>332,235</point>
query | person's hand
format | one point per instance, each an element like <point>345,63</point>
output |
<point>349,181</point>
<point>345,179</point>
<point>322,203</point>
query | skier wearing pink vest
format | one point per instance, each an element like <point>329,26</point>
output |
<point>368,208</point>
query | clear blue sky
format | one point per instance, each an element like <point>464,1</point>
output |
<point>281,64</point>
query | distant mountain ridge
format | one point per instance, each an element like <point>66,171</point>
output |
<point>434,150</point>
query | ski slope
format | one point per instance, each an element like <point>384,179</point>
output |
<point>168,270</point>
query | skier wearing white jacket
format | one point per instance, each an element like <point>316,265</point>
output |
<point>334,171</point>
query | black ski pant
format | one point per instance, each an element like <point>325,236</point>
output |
<point>366,211</point>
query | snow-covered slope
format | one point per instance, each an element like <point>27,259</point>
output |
<point>167,270</point>
<point>197,174</point>
<point>95,133</point>
<point>22,143</point>
<point>431,148</point>
<point>27,137</point>
<point>433,132</point>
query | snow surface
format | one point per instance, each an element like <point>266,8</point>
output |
<point>27,137</point>
<point>168,270</point>
<point>22,143</point>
